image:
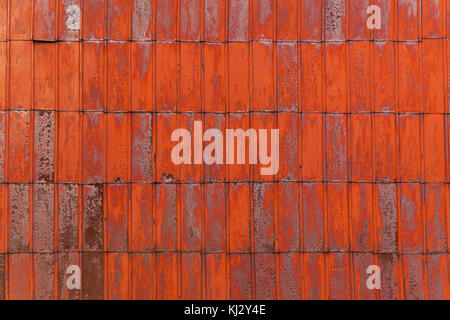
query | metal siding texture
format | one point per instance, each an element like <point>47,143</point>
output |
<point>89,98</point>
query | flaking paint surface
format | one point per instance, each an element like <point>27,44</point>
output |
<point>91,90</point>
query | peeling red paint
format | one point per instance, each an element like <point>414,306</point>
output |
<point>88,104</point>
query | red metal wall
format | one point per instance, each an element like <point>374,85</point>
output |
<point>86,176</point>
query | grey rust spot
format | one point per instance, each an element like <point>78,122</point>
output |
<point>142,148</point>
<point>262,220</point>
<point>409,207</point>
<point>339,159</point>
<point>44,142</point>
<point>334,13</point>
<point>265,276</point>
<point>415,278</point>
<point>141,18</point>
<point>43,204</point>
<point>290,284</point>
<point>19,205</point>
<point>389,285</point>
<point>68,217</point>
<point>388,206</point>
<point>44,271</point>
<point>192,221</point>
<point>93,218</point>
<point>239,20</point>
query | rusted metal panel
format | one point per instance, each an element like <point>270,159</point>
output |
<point>93,206</point>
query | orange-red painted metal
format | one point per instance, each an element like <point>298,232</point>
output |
<point>90,92</point>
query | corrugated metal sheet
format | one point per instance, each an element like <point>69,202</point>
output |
<point>87,179</point>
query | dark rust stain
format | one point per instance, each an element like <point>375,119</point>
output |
<point>68,217</point>
<point>93,218</point>
<point>92,275</point>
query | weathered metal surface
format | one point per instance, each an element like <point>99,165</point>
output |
<point>90,92</point>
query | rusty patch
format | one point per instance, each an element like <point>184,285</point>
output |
<point>241,278</point>
<point>265,276</point>
<point>93,275</point>
<point>2,145</point>
<point>90,92</point>
<point>93,218</point>
<point>142,164</point>
<point>166,218</point>
<point>334,15</point>
<point>391,285</point>
<point>263,217</point>
<point>68,208</point>
<point>290,278</point>
<point>19,215</point>
<point>44,270</point>
<point>215,218</point>
<point>43,217</point>
<point>142,18</point>
<point>387,203</point>
<point>44,146</point>
<point>2,277</point>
